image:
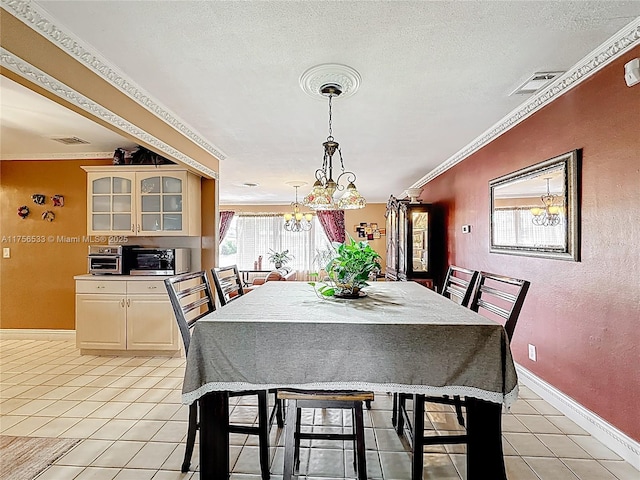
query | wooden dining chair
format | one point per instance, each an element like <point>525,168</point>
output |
<point>501,298</point>
<point>299,399</point>
<point>459,285</point>
<point>191,298</point>
<point>495,296</point>
<point>228,283</point>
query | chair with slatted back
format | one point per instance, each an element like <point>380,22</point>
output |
<point>495,296</point>
<point>347,400</point>
<point>459,284</point>
<point>228,283</point>
<point>191,298</point>
<point>500,296</point>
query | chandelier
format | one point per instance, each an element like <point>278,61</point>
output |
<point>324,188</point>
<point>297,221</point>
<point>549,214</point>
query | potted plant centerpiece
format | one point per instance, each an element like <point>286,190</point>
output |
<point>349,270</point>
<point>279,258</point>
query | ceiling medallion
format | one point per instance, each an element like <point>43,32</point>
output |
<point>314,78</point>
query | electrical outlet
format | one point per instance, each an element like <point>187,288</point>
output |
<point>6,252</point>
<point>532,353</point>
<point>466,228</point>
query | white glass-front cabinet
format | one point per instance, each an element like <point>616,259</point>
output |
<point>146,201</point>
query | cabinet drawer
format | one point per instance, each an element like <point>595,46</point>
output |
<point>101,286</point>
<point>146,286</point>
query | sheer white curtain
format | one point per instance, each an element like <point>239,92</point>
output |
<point>257,234</point>
<point>514,226</point>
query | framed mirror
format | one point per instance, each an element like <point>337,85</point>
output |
<point>534,211</point>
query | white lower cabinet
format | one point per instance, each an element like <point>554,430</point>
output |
<point>134,315</point>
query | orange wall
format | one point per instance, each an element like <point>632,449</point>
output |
<point>37,281</point>
<point>584,317</point>
<point>372,213</point>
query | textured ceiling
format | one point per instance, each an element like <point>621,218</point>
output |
<point>435,76</point>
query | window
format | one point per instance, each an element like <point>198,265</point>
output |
<point>513,226</point>
<point>254,235</point>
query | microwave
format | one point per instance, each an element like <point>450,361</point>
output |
<point>156,261</point>
<point>105,260</point>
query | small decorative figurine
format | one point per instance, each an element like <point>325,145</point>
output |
<point>48,215</point>
<point>38,198</point>
<point>118,157</point>
<point>23,211</point>
<point>58,200</point>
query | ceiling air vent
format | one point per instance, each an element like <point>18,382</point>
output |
<point>535,82</point>
<point>70,140</point>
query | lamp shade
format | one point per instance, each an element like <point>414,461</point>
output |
<point>351,199</point>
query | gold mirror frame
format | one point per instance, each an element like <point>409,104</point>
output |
<point>535,211</point>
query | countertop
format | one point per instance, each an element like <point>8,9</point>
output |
<point>120,278</point>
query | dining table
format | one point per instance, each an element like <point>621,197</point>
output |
<point>399,337</point>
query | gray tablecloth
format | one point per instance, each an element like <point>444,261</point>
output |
<point>402,337</point>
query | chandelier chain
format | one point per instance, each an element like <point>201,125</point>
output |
<point>330,137</point>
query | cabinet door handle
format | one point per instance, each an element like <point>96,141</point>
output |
<point>138,227</point>
<point>133,228</point>
<point>100,286</point>
<point>152,287</point>
<point>128,302</point>
<point>122,303</point>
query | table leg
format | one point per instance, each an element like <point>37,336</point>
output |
<point>417,463</point>
<point>484,437</point>
<point>214,436</point>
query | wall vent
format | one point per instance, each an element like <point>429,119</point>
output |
<point>535,82</point>
<point>70,140</point>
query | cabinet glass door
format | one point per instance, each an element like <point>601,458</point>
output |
<point>111,204</point>
<point>402,235</point>
<point>161,204</point>
<point>392,251</point>
<point>419,241</point>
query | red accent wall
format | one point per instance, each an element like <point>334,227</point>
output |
<point>583,317</point>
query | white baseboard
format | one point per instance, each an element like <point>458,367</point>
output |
<point>603,431</point>
<point>37,334</point>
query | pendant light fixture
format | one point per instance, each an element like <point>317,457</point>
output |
<point>297,221</point>
<point>326,187</point>
<point>549,214</point>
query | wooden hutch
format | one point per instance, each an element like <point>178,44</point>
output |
<point>410,255</point>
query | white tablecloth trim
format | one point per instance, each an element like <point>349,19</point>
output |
<point>494,397</point>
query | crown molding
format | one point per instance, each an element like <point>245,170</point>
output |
<point>37,76</point>
<point>35,17</point>
<point>624,40</point>
<point>60,156</point>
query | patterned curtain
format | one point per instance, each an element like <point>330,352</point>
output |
<point>332,222</point>
<point>225,221</point>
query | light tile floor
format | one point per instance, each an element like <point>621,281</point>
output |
<point>128,413</point>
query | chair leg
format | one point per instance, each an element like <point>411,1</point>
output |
<point>394,413</point>
<point>263,436</point>
<point>191,436</point>
<point>279,412</point>
<point>458,406</point>
<point>417,463</point>
<point>289,440</point>
<point>402,405</point>
<point>297,429</point>
<point>355,439</point>
<point>360,452</point>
